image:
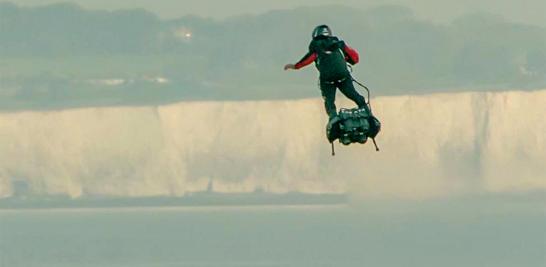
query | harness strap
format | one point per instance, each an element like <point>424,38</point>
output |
<point>333,82</point>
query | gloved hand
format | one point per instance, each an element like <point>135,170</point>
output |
<point>289,67</point>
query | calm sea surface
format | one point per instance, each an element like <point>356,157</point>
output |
<point>448,233</point>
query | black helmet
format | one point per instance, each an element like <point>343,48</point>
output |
<point>322,30</point>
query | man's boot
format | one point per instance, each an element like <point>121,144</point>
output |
<point>333,119</point>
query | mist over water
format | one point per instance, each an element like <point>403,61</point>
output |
<point>432,145</point>
<point>459,182</point>
<point>450,233</point>
<point>94,161</point>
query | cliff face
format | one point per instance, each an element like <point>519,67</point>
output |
<point>432,145</point>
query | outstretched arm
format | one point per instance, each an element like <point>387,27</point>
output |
<point>309,58</point>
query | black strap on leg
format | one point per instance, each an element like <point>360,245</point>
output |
<point>333,150</point>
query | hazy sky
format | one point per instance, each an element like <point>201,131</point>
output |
<point>528,11</point>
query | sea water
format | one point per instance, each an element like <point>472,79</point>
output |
<point>429,233</point>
